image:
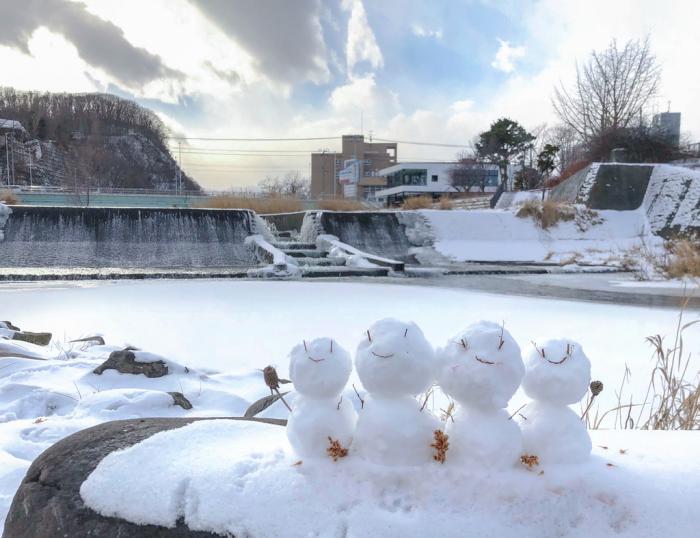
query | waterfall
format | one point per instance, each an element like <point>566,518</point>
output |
<point>5,213</point>
<point>126,237</point>
<point>375,232</point>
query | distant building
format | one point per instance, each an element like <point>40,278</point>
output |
<point>669,123</point>
<point>428,179</point>
<point>353,172</point>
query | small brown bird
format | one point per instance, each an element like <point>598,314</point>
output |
<point>271,378</point>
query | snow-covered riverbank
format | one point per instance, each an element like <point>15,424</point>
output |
<point>214,335</point>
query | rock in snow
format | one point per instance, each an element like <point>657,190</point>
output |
<point>126,361</point>
<point>48,502</point>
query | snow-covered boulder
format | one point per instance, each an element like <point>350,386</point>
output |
<point>129,361</point>
<point>48,501</point>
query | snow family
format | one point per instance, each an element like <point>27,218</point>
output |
<point>480,369</point>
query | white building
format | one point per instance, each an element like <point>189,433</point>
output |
<point>404,180</point>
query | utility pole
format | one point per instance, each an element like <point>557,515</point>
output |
<point>179,166</point>
<point>7,160</point>
<point>12,160</point>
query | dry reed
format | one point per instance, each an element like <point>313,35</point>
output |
<point>259,205</point>
<point>418,202</point>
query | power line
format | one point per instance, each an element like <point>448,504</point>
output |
<point>413,143</point>
<point>254,139</point>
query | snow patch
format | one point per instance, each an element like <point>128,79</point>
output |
<point>239,478</point>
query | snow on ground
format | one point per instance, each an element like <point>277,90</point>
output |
<point>222,331</point>
<point>499,235</point>
<point>689,284</point>
<point>637,484</point>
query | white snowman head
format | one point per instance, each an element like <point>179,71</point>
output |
<point>394,359</point>
<point>319,368</point>
<point>481,366</point>
<point>556,371</point>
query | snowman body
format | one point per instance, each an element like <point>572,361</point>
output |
<point>395,363</point>
<point>481,368</point>
<point>557,375</point>
<point>320,370</point>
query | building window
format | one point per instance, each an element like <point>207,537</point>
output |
<point>434,178</point>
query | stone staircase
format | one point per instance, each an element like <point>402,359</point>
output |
<point>316,263</point>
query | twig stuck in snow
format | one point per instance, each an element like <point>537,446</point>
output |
<point>517,411</point>
<point>362,402</point>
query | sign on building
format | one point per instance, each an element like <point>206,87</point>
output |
<point>350,190</point>
<point>350,174</point>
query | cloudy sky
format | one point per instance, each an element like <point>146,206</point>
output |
<point>412,70</point>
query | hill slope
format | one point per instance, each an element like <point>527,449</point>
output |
<point>85,141</point>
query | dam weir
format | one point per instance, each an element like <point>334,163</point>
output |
<point>95,237</point>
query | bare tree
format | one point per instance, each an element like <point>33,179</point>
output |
<point>469,173</point>
<point>611,89</point>
<point>294,185</point>
<point>271,185</point>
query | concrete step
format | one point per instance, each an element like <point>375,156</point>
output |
<point>321,272</point>
<point>304,253</point>
<point>294,245</point>
<point>320,261</point>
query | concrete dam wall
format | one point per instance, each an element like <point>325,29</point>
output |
<point>669,195</point>
<point>377,232</point>
<point>126,237</point>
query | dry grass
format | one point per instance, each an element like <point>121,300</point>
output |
<point>259,205</point>
<point>341,204</point>
<point>683,259</point>
<point>418,202</point>
<point>8,197</point>
<point>548,213</point>
<point>445,203</point>
<point>672,399</point>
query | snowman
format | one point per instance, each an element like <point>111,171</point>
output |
<point>322,421</point>
<point>395,363</point>
<point>557,374</point>
<point>481,368</point>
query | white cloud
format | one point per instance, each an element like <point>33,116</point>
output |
<point>361,44</point>
<point>363,94</point>
<point>506,56</point>
<point>421,31</point>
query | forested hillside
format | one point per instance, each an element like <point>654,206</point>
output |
<point>87,140</point>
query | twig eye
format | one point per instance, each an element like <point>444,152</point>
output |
<point>331,346</point>
<point>540,351</point>
<point>369,337</point>
<point>405,332</point>
<point>305,348</point>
